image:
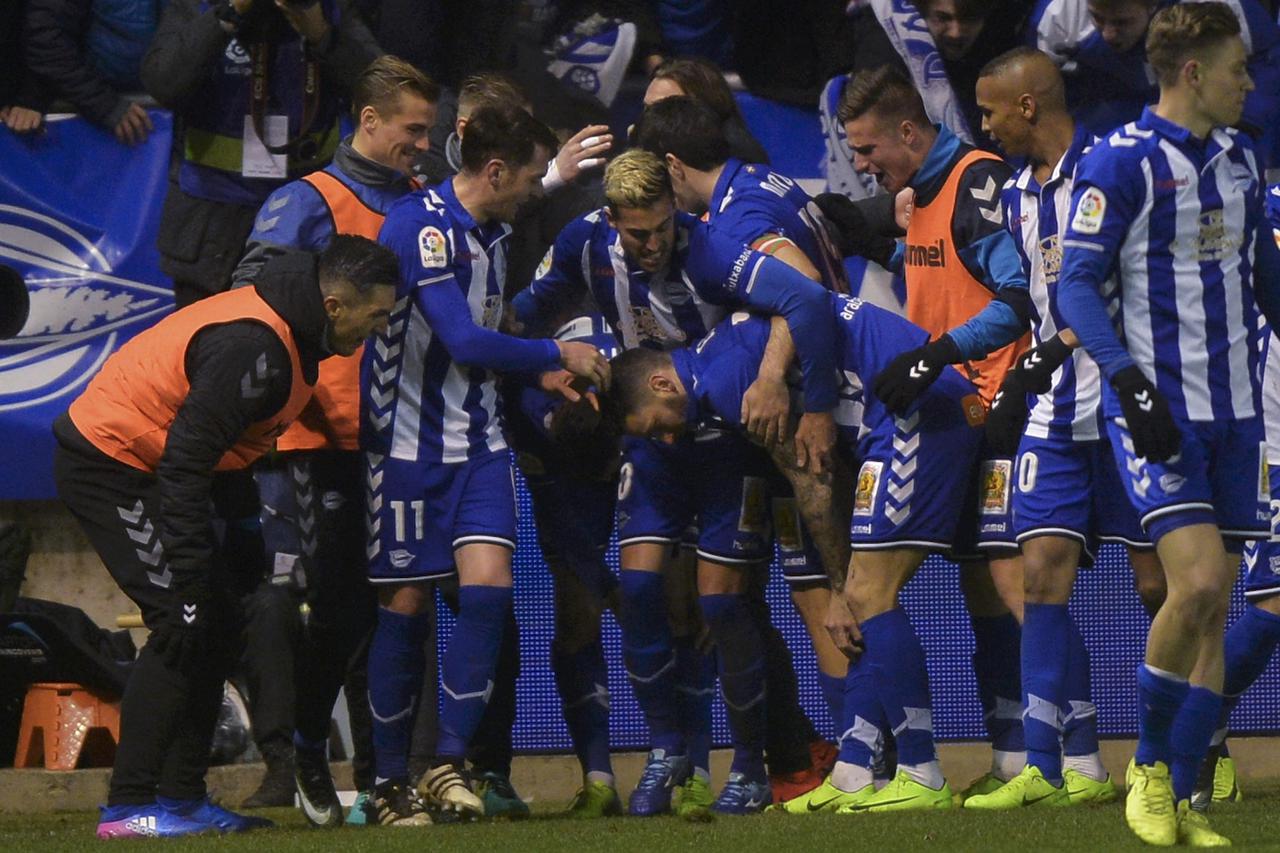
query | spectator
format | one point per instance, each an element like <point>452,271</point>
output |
<point>703,81</point>
<point>202,64</point>
<point>787,53</point>
<point>88,52</point>
<point>22,95</point>
<point>1100,46</point>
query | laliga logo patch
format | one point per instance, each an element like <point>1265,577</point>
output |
<point>1090,211</point>
<point>432,248</point>
<point>545,266</point>
<point>79,309</point>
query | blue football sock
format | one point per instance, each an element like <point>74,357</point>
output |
<point>648,653</point>
<point>861,735</point>
<point>1250,643</point>
<point>1159,698</point>
<point>740,652</point>
<point>832,687</point>
<point>997,654</point>
<point>695,694</point>
<point>897,659</point>
<point>396,664</point>
<point>1080,715</point>
<point>466,671</point>
<point>1046,630</point>
<point>1189,741</point>
<point>582,681</point>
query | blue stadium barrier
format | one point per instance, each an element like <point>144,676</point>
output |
<point>1105,604</point>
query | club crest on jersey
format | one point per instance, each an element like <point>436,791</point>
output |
<point>432,248</point>
<point>753,517</point>
<point>1051,258</point>
<point>995,486</point>
<point>1090,211</point>
<point>491,311</point>
<point>864,495</point>
<point>1215,240</point>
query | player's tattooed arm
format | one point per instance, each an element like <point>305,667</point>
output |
<point>766,405</point>
<point>823,501</point>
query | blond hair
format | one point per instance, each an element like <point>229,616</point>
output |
<point>636,179</point>
<point>1183,31</point>
<point>380,84</point>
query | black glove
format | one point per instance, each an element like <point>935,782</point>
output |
<point>850,230</point>
<point>1007,417</point>
<point>1146,413</point>
<point>911,373</point>
<point>182,638</point>
<point>1035,367</point>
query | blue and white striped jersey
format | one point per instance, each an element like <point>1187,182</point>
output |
<point>750,201</point>
<point>1269,357</point>
<point>418,403</point>
<point>1037,216</point>
<point>660,310</point>
<point>1176,220</point>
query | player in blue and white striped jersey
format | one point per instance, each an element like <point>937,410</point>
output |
<point>1066,492</point>
<point>440,489</point>
<point>761,208</point>
<point>1253,638</point>
<point>659,275</point>
<point>1165,262</point>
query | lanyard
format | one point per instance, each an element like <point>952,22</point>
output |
<point>260,91</point>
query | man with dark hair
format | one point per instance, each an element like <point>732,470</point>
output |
<point>313,488</point>
<point>440,487</point>
<point>1166,262</point>
<point>172,417</point>
<point>967,288</point>
<point>663,395</point>
<point>1067,493</point>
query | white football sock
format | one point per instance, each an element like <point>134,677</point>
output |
<point>1090,765</point>
<point>1006,765</point>
<point>928,774</point>
<point>850,777</point>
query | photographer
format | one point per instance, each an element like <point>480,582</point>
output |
<point>206,62</point>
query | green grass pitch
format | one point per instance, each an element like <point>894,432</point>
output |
<point>1253,824</point>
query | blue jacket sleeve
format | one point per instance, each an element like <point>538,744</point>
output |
<point>292,217</point>
<point>449,316</point>
<point>989,253</point>
<point>1103,206</point>
<point>725,272</point>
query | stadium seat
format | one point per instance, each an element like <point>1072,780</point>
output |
<point>63,721</point>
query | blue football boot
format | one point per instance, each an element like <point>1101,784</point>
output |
<point>148,821</point>
<point>741,796</point>
<point>662,775</point>
<point>215,816</point>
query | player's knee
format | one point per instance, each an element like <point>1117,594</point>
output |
<point>1203,600</point>
<point>1049,569</point>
